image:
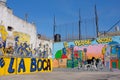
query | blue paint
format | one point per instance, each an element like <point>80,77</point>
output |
<point>10,69</point>
<point>39,65</point>
<point>64,51</point>
<point>21,66</point>
<point>33,65</point>
<point>2,62</point>
<point>113,50</point>
<point>118,51</point>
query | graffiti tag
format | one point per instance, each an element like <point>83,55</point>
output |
<point>65,44</point>
<point>82,42</point>
<point>104,40</point>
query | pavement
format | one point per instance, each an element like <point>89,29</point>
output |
<point>81,70</point>
<point>65,76</point>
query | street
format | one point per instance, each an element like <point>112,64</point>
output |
<point>65,76</point>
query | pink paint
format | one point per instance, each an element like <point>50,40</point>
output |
<point>92,50</point>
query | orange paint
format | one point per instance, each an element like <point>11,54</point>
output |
<point>113,60</point>
<point>90,55</point>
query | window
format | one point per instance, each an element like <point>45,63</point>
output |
<point>39,36</point>
<point>9,28</point>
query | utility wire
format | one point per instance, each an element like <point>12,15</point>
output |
<point>111,27</point>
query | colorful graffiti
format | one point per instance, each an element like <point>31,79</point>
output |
<point>18,44</point>
<point>24,65</point>
<point>3,37</point>
<point>23,37</point>
<point>88,54</point>
<point>3,33</point>
<point>44,49</point>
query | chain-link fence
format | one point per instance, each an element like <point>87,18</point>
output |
<point>70,31</point>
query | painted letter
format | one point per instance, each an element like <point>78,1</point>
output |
<point>21,66</point>
<point>33,65</point>
<point>39,65</point>
<point>10,70</point>
<point>47,66</point>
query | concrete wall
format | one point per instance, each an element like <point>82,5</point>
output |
<point>83,53</point>
<point>9,66</point>
<point>7,18</point>
<point>27,34</point>
<point>45,46</point>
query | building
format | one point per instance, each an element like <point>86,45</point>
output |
<point>114,32</point>
<point>44,47</point>
<point>16,32</point>
<point>16,26</point>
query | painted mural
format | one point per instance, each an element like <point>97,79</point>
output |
<point>95,54</point>
<point>44,49</point>
<point>22,44</point>
<point>23,37</point>
<point>18,44</point>
<point>24,65</point>
<point>18,57</point>
<point>3,37</point>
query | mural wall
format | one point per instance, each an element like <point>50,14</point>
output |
<point>44,48</point>
<point>3,38</point>
<point>18,44</point>
<point>15,46</point>
<point>94,54</point>
<point>24,65</point>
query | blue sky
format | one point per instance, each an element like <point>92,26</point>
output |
<point>66,11</point>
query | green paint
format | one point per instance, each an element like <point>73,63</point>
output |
<point>119,64</point>
<point>69,63</point>
<point>114,65</point>
<point>58,54</point>
<point>75,63</point>
<point>80,54</point>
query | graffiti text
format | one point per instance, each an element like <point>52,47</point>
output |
<point>82,42</point>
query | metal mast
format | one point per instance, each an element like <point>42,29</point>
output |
<point>96,22</point>
<point>79,25</point>
<point>54,26</point>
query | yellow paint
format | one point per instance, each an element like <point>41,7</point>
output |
<point>45,64</point>
<point>82,42</point>
<point>3,33</point>
<point>27,65</point>
<point>66,45</point>
<point>83,55</point>
<point>2,70</point>
<point>23,37</point>
<point>104,40</point>
<point>27,62</point>
<point>7,65</point>
<point>104,50</point>
<point>1,50</point>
